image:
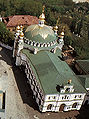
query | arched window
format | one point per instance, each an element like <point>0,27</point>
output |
<point>48,44</point>
<point>49,97</point>
<point>49,107</point>
<point>30,42</point>
<point>74,105</point>
<point>33,43</point>
<point>44,45</point>
<point>67,89</point>
<point>62,106</point>
<point>51,44</point>
<point>37,44</point>
<point>40,44</point>
<point>39,102</point>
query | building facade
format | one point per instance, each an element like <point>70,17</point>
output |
<point>54,85</point>
<point>77,1</point>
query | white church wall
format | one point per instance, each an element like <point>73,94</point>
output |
<point>51,97</point>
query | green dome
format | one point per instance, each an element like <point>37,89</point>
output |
<point>40,34</point>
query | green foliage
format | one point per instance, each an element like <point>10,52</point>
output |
<point>68,2</point>
<point>34,7</point>
<point>6,36</point>
<point>78,35</point>
<point>82,48</point>
<point>75,18</point>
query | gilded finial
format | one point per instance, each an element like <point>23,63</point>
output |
<point>21,27</point>
<point>57,21</point>
<point>69,81</point>
<point>42,18</point>
<point>63,29</point>
<point>43,9</point>
<point>18,27</point>
<point>56,27</point>
<point>21,35</point>
<point>62,32</point>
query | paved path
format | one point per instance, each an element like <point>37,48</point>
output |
<point>15,109</point>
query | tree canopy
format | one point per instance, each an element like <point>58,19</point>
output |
<point>75,18</point>
<point>5,35</point>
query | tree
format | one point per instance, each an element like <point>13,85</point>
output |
<point>6,36</point>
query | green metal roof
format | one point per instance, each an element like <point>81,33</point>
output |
<point>41,35</point>
<point>84,80</point>
<point>84,65</point>
<point>51,71</point>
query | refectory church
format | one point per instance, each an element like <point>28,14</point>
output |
<point>54,85</point>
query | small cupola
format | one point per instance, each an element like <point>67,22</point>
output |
<point>21,28</point>
<point>21,35</point>
<point>17,28</point>
<point>42,18</point>
<point>17,31</point>
<point>55,29</point>
<point>61,35</point>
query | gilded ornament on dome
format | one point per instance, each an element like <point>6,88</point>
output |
<point>21,34</point>
<point>18,28</point>
<point>43,9</point>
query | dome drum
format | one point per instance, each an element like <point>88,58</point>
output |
<point>37,44</point>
